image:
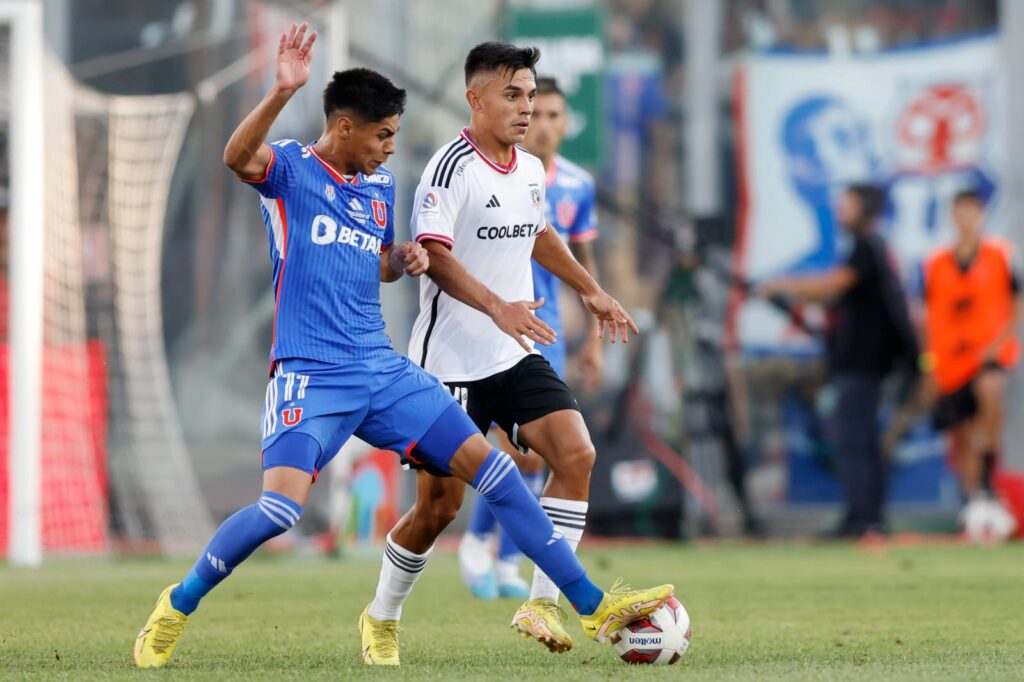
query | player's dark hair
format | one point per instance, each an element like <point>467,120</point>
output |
<point>547,85</point>
<point>871,198</point>
<point>364,92</point>
<point>502,57</point>
<point>970,194</point>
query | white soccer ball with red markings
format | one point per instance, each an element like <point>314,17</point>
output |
<point>659,639</point>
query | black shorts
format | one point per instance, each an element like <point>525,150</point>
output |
<point>960,405</point>
<point>528,390</point>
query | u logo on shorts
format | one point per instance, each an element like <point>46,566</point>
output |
<point>291,416</point>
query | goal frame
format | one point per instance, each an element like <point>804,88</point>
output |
<point>25,228</point>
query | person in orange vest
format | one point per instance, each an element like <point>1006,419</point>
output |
<point>972,303</point>
<point>870,336</point>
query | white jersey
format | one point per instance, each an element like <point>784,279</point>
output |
<point>489,216</point>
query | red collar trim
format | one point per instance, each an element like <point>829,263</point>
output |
<point>338,177</point>
<point>504,170</point>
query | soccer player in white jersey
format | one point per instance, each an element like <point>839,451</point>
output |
<point>570,202</point>
<point>328,208</point>
<point>479,212</point>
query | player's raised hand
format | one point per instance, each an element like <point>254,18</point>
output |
<point>410,258</point>
<point>294,56</point>
<point>518,321</point>
<point>611,314</point>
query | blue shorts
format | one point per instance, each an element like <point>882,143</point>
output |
<point>389,402</point>
<point>555,355</point>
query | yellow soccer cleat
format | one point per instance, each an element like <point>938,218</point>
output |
<point>379,638</point>
<point>544,620</point>
<point>156,640</point>
<point>622,605</point>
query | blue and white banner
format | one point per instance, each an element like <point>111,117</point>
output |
<point>923,122</point>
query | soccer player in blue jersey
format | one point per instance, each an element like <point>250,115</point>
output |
<point>570,208</point>
<point>329,213</point>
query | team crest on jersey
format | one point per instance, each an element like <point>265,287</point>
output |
<point>329,191</point>
<point>535,196</point>
<point>566,212</point>
<point>291,416</point>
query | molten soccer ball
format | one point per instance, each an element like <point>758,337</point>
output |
<point>659,639</point>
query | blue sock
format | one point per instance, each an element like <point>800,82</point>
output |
<point>507,550</point>
<point>232,544</point>
<point>521,517</point>
<point>481,521</point>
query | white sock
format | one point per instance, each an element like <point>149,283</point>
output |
<point>399,572</point>
<point>570,518</point>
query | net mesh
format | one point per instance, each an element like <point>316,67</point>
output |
<point>113,455</point>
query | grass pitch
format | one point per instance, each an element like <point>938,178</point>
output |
<point>774,612</point>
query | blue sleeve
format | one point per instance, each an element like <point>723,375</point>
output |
<point>584,227</point>
<point>389,228</point>
<point>279,177</point>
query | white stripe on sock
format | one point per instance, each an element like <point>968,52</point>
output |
<point>272,516</point>
<point>501,476</point>
<point>497,467</point>
<point>282,508</point>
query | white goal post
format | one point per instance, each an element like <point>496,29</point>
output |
<point>24,20</point>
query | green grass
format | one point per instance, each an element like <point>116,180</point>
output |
<point>782,612</point>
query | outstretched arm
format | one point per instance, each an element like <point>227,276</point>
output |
<point>812,288</point>
<point>246,153</point>
<point>555,257</point>
<point>515,319</point>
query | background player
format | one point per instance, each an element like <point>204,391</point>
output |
<point>570,207</point>
<point>972,301</point>
<point>329,213</point>
<point>479,211</point>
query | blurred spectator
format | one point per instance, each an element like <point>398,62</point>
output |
<point>972,300</point>
<point>864,25</point>
<point>870,334</point>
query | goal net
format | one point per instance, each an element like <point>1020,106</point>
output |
<point>111,462</point>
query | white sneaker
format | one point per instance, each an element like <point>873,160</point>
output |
<point>985,520</point>
<point>510,583</point>
<point>476,564</point>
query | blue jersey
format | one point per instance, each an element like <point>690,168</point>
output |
<point>570,207</point>
<point>326,235</point>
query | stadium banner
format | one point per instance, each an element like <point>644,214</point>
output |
<point>572,51</point>
<point>924,122</point>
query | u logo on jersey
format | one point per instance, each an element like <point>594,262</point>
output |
<point>380,212</point>
<point>291,416</point>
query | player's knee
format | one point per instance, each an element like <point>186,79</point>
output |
<point>437,515</point>
<point>576,460</point>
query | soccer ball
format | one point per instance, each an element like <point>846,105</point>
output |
<point>987,521</point>
<point>659,639</point>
